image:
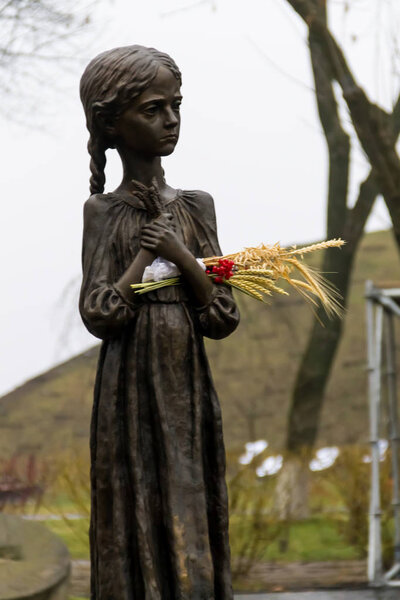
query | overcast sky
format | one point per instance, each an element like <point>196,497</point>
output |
<point>250,136</point>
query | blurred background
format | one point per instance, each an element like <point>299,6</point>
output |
<point>292,128</point>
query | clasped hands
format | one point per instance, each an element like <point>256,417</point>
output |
<point>160,238</point>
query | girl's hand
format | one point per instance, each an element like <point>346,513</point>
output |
<point>160,238</point>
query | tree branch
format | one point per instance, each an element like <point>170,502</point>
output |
<point>370,121</point>
<point>337,140</point>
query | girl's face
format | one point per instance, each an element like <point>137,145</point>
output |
<point>150,126</point>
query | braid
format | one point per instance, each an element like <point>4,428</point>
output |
<point>97,151</point>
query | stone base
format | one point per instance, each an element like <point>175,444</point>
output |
<point>34,563</point>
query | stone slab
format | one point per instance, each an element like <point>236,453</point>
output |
<point>34,563</point>
<point>304,576</point>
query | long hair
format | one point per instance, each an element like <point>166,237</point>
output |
<point>108,85</point>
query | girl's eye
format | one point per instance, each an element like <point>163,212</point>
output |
<point>176,106</point>
<point>150,110</point>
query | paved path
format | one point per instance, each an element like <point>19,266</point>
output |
<point>80,588</point>
<point>387,594</point>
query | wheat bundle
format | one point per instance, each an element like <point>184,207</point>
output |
<point>255,271</point>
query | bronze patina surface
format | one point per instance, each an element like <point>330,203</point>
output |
<point>159,524</point>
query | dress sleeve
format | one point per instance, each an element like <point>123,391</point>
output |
<point>103,310</point>
<point>220,316</point>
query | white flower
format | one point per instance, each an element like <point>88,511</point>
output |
<point>270,466</point>
<point>325,458</point>
<point>252,450</point>
<point>383,445</point>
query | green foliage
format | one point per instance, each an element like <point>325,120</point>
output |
<point>70,493</point>
<point>255,533</point>
<point>351,479</point>
<point>315,539</point>
<point>75,534</point>
<point>73,481</point>
<point>251,526</point>
<point>337,529</point>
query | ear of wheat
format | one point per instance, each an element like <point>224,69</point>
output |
<point>256,270</point>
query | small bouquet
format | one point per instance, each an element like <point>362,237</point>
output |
<point>255,272</point>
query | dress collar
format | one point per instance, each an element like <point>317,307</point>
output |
<point>135,202</point>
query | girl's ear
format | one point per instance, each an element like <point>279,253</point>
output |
<point>107,127</point>
<point>109,130</point>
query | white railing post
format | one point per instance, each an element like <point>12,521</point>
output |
<point>374,344</point>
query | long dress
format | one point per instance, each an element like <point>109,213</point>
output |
<point>159,517</point>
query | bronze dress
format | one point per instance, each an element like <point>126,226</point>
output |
<point>159,520</point>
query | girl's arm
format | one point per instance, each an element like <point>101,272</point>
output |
<point>160,239</point>
<point>134,272</point>
<point>105,310</point>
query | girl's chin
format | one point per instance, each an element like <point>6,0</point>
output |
<point>168,149</point>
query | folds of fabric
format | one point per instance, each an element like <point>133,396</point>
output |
<point>159,524</point>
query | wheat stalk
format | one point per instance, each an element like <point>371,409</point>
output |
<point>269,256</point>
<point>248,289</point>
<point>335,243</point>
<point>254,277</point>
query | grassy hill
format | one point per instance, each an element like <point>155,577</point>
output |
<point>254,370</point>
<point>50,412</point>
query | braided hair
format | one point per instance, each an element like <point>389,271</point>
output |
<point>108,85</point>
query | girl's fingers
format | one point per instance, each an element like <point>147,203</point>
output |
<point>154,229</point>
<point>148,245</point>
<point>152,232</point>
<point>149,239</point>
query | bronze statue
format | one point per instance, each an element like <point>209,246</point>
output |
<point>159,521</point>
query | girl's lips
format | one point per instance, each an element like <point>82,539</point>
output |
<point>169,138</point>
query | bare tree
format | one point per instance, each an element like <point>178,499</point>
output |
<point>377,132</point>
<point>34,34</point>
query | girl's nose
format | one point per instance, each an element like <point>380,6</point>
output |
<point>171,117</point>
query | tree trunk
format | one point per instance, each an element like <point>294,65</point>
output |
<point>308,394</point>
<point>317,360</point>
<point>377,133</point>
<point>292,490</point>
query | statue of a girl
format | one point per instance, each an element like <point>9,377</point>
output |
<point>159,523</point>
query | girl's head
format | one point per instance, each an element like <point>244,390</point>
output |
<point>109,85</point>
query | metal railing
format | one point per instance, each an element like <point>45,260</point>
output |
<point>382,309</point>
